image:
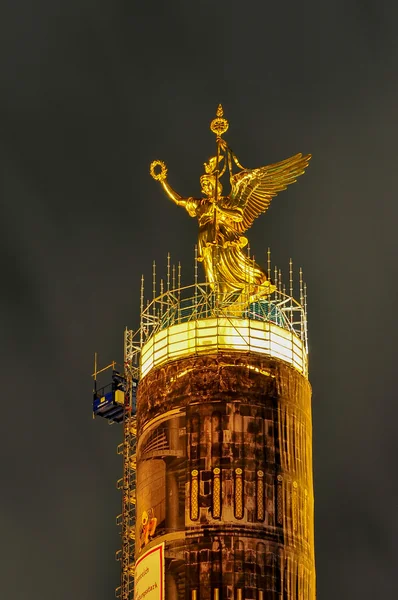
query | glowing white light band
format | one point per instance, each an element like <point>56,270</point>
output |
<point>207,336</point>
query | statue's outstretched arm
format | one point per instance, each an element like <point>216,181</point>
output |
<point>173,195</point>
<point>161,176</point>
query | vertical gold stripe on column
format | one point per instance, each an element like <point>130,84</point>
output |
<point>194,595</point>
<point>279,500</point>
<point>294,506</point>
<point>300,581</point>
<point>238,494</point>
<point>306,515</point>
<point>282,570</point>
<point>260,496</point>
<point>216,493</point>
<point>194,495</point>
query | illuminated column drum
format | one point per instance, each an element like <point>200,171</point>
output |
<point>224,456</point>
<point>224,461</point>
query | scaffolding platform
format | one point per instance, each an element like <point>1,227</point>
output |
<point>108,401</point>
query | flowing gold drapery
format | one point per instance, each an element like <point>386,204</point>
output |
<point>228,268</point>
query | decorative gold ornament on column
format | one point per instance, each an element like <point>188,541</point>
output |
<point>194,495</point>
<point>216,493</point>
<point>260,495</point>
<point>238,493</point>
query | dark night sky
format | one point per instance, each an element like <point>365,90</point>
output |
<point>91,92</point>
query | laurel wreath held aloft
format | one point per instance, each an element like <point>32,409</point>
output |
<point>156,174</point>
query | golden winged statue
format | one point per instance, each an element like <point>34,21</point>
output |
<point>223,220</point>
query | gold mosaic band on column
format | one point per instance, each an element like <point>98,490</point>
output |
<point>260,496</point>
<point>194,495</point>
<point>216,493</point>
<point>279,500</point>
<point>238,494</point>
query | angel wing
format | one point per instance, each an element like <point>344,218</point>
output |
<point>253,190</point>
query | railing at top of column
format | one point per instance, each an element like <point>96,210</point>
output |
<point>199,301</point>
